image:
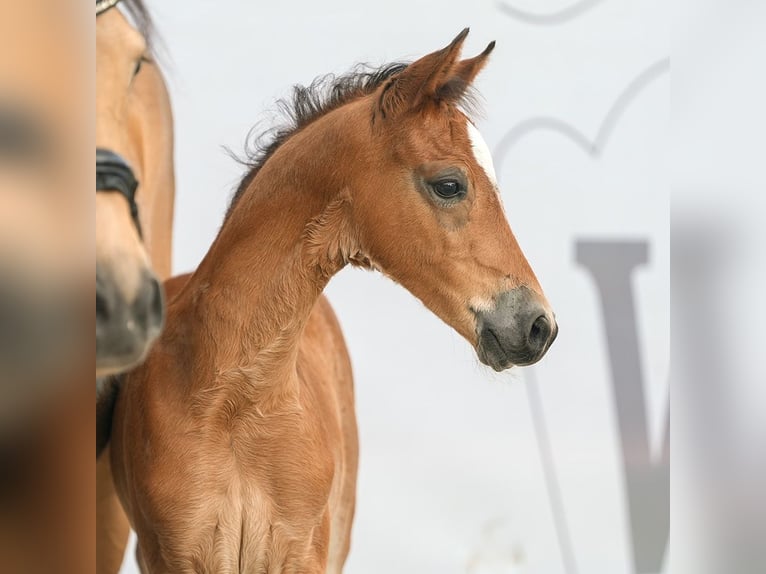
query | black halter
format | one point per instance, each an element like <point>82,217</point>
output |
<point>114,174</point>
<point>104,5</point>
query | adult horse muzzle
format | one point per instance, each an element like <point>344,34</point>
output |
<point>517,330</point>
<point>127,321</point>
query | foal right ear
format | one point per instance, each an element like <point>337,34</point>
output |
<point>421,80</point>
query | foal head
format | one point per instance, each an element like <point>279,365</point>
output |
<point>431,217</point>
<point>131,141</point>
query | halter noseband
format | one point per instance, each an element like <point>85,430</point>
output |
<point>114,174</point>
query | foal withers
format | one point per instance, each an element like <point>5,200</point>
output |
<point>234,446</point>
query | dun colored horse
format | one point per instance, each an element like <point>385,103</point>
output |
<point>134,123</point>
<point>235,446</point>
<point>134,140</point>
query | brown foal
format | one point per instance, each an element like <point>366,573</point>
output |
<point>234,445</point>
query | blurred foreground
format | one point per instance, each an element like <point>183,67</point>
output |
<point>47,471</point>
<point>719,281</point>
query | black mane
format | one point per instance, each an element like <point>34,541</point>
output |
<point>308,103</point>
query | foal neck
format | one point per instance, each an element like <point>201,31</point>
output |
<point>286,236</point>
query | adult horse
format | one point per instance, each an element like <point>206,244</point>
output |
<point>134,144</point>
<point>234,445</point>
<point>134,217</point>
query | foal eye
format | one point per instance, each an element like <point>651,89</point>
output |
<point>447,188</point>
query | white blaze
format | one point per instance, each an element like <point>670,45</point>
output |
<point>481,153</point>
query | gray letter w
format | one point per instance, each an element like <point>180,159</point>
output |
<point>647,482</point>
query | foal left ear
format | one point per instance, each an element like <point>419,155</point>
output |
<point>420,80</point>
<point>463,74</point>
<point>439,76</point>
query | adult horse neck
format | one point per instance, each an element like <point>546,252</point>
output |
<point>235,443</point>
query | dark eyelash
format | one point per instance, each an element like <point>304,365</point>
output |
<point>143,60</point>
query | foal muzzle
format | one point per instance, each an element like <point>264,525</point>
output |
<point>517,330</point>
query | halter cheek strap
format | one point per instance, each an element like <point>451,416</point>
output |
<point>113,174</point>
<point>104,5</point>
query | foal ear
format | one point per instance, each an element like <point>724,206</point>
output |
<point>420,80</point>
<point>463,74</point>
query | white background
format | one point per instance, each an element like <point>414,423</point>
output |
<point>451,479</point>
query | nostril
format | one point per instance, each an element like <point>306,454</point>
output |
<point>148,308</point>
<point>102,309</point>
<point>539,333</point>
<point>157,305</point>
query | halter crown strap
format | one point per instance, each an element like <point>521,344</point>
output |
<point>104,5</point>
<point>113,174</point>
